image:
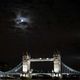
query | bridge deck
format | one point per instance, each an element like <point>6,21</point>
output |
<point>41,60</point>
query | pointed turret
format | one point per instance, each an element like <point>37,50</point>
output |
<point>27,55</point>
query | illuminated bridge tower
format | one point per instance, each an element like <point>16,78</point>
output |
<point>57,65</point>
<point>26,65</point>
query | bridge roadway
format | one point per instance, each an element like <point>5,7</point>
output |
<point>35,74</point>
<point>41,60</point>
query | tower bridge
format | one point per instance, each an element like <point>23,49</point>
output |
<point>24,68</point>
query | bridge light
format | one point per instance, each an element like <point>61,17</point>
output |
<point>40,58</point>
<point>1,75</point>
<point>47,58</point>
<point>21,75</point>
<point>67,74</point>
<point>56,75</point>
<point>59,75</point>
<point>24,75</point>
<point>30,72</point>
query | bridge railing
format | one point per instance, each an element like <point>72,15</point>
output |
<point>69,70</point>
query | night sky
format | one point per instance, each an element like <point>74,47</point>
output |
<point>51,24</point>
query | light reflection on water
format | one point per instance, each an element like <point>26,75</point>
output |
<point>24,79</point>
<point>12,79</point>
<point>40,79</point>
<point>27,79</point>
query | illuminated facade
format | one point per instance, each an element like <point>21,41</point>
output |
<point>57,63</point>
<point>26,63</point>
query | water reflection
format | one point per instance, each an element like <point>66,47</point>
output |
<point>39,79</point>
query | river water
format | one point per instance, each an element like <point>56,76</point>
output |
<point>40,79</point>
<point>26,79</point>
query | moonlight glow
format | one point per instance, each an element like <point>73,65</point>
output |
<point>22,22</point>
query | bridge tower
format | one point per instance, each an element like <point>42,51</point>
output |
<point>57,65</point>
<point>26,65</point>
